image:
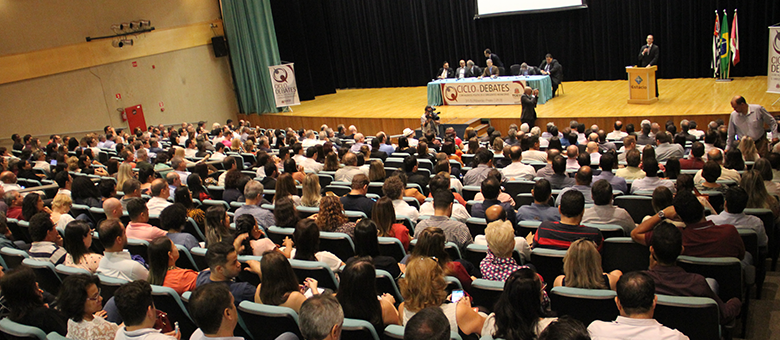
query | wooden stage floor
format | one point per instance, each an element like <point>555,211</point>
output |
<point>599,102</point>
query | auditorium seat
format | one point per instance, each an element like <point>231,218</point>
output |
<point>476,226</point>
<point>138,247</point>
<point>356,329</point>
<point>385,283</point>
<point>45,275</point>
<point>166,299</point>
<point>624,254</point>
<point>316,270</point>
<point>13,257</point>
<point>391,246</point>
<point>549,263</point>
<point>266,322</point>
<point>185,259</point>
<point>585,305</point>
<point>470,191</point>
<point>13,330</point>
<point>340,244</point>
<point>696,317</point>
<point>485,293</point>
<point>397,332</point>
<point>637,206</point>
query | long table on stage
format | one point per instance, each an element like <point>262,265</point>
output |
<point>487,91</point>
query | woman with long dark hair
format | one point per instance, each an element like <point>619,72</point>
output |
<point>31,205</point>
<point>84,192</point>
<point>518,314</point>
<point>217,226</point>
<point>255,242</point>
<point>431,243</point>
<point>367,245</point>
<point>306,239</point>
<point>77,240</point>
<point>80,302</point>
<point>285,214</point>
<point>285,187</point>
<point>283,290</point>
<point>162,267</point>
<point>196,187</point>
<point>383,215</point>
<point>182,195</point>
<point>292,168</point>
<point>357,295</point>
<point>25,301</point>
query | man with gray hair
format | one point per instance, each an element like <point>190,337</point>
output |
<point>159,200</point>
<point>360,140</point>
<point>179,166</point>
<point>253,193</point>
<point>321,318</point>
<point>644,137</point>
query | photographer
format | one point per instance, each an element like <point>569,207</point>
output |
<point>430,121</point>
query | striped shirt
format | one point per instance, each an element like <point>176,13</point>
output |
<point>47,251</point>
<point>559,236</point>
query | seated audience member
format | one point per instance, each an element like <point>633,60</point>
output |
<point>251,237</point>
<point>559,179</point>
<point>572,152</point>
<point>159,200</point>
<point>13,200</point>
<point>84,192</point>
<point>711,172</point>
<point>112,207</point>
<point>213,310</point>
<point>383,214</point>
<point>321,318</point>
<point>701,237</point>
<point>582,268</point>
<point>136,306</point>
<point>139,228</point>
<point>285,214</point>
<point>733,160</point>
<point>758,197</point>
<point>410,165</point>
<point>253,194</point>
<point>547,171</point>
<point>583,179</point>
<point>540,209</point>
<point>455,231</point>
<point>6,237</point>
<point>271,173</point>
<point>428,324</point>
<point>484,160</point>
<point>636,302</point>
<point>518,170</point>
<point>499,264</point>
<point>218,226</point>
<point>666,149</point>
<point>310,196</point>
<point>173,218</point>
<point>131,190</point>
<point>431,243</point>
<point>606,163</point>
<point>764,168</point>
<point>306,239</point>
<point>77,241</point>
<point>533,154</point>
<point>442,182</point>
<point>224,267</point>
<point>735,201</point>
<point>60,207</point>
<point>47,243</point>
<point>285,187</point>
<point>559,235</point>
<point>163,271</point>
<point>651,180</point>
<point>694,161</point>
<point>283,290</point>
<point>80,302</point>
<point>603,212</point>
<point>367,245</point>
<point>716,155</point>
<point>33,204</point>
<point>358,298</point>
<point>117,262</point>
<point>331,217</point>
<point>491,187</point>
<point>502,196</point>
<point>424,286</point>
<point>670,279</point>
<point>356,199</point>
<point>349,170</point>
<point>593,152</point>
<point>394,188</point>
<point>518,312</point>
<point>632,171</point>
<point>616,134</point>
<point>25,302</point>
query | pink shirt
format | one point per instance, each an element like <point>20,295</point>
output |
<point>144,231</point>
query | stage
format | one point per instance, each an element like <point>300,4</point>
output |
<point>590,102</point>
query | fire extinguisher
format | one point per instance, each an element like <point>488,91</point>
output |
<point>123,114</point>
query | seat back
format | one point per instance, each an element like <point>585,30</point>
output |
<point>586,305</point>
<point>304,212</point>
<point>338,190</point>
<point>637,206</point>
<point>138,247</point>
<point>470,191</point>
<point>185,259</point>
<point>375,188</point>
<point>397,332</point>
<point>192,228</point>
<point>624,254</point>
<point>726,270</point>
<point>485,293</point>
<point>218,203</point>
<point>12,331</point>
<point>340,244</point>
<point>549,263</point>
<point>64,271</point>
<point>108,286</point>
<point>750,239</point>
<point>47,278</point>
<point>166,299</point>
<point>476,226</point>
<point>13,257</point>
<point>696,317</point>
<point>522,199</point>
<point>199,256</point>
<point>768,218</point>
<point>266,322</point>
<point>277,234</point>
<point>355,329</point>
<point>16,231</point>
<point>385,283</point>
<point>607,230</point>
<point>391,246</point>
<point>316,270</point>
<point>325,179</point>
<point>216,191</point>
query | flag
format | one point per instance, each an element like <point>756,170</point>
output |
<point>715,46</point>
<point>724,47</point>
<point>734,40</point>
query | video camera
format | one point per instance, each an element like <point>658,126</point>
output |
<point>430,113</point>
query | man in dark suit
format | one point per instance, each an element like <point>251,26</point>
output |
<point>526,70</point>
<point>554,69</point>
<point>445,72</point>
<point>492,56</point>
<point>529,100</point>
<point>474,70</point>
<point>490,70</point>
<point>648,56</point>
<point>462,71</point>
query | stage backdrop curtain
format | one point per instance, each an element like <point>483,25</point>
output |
<point>251,37</point>
<point>391,43</point>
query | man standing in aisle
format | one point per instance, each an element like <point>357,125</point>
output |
<point>648,56</point>
<point>529,100</point>
<point>748,120</point>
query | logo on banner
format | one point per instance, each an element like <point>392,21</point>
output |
<point>284,85</point>
<point>450,93</point>
<point>280,75</point>
<point>776,43</point>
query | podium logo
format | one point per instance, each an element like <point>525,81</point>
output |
<point>638,80</point>
<point>451,94</point>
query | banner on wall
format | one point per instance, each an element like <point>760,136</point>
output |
<point>487,93</point>
<point>773,70</point>
<point>284,85</point>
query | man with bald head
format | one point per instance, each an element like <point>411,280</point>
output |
<point>547,171</point>
<point>529,100</point>
<point>572,151</point>
<point>582,179</point>
<point>495,213</point>
<point>112,208</point>
<point>349,170</point>
<point>749,120</point>
<point>9,181</point>
<point>490,70</point>
<point>160,196</point>
<point>617,134</point>
<point>725,174</point>
<point>593,152</point>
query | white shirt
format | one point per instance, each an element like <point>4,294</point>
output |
<point>609,214</point>
<point>183,176</point>
<point>535,155</point>
<point>189,153</point>
<point>156,205</point>
<point>628,328</point>
<point>742,221</point>
<point>217,156</point>
<point>121,266</point>
<point>615,134</point>
<point>221,178</point>
<point>311,164</point>
<point>650,183</point>
<point>595,158</point>
<point>346,173</point>
<point>64,192</point>
<point>519,171</point>
<point>403,208</point>
<point>198,335</point>
<point>459,212</point>
<point>725,175</point>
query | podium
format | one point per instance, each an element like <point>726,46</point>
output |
<point>641,85</point>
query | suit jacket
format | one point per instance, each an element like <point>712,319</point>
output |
<point>529,107</point>
<point>532,71</point>
<point>466,74</point>
<point>489,71</point>
<point>496,60</point>
<point>450,72</point>
<point>649,59</point>
<point>556,70</point>
<point>475,71</point>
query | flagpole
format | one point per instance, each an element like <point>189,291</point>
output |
<point>724,74</point>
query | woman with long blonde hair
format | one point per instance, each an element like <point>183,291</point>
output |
<point>125,173</point>
<point>376,171</point>
<point>311,191</point>
<point>748,147</point>
<point>758,197</point>
<point>582,268</point>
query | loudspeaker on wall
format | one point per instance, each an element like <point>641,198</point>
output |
<point>220,46</point>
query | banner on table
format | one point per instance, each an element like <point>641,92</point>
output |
<point>773,70</point>
<point>284,85</point>
<point>487,93</point>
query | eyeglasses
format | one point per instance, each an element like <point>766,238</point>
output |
<point>96,298</point>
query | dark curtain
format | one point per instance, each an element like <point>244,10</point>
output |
<point>390,43</point>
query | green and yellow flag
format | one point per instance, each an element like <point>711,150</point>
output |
<point>725,58</point>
